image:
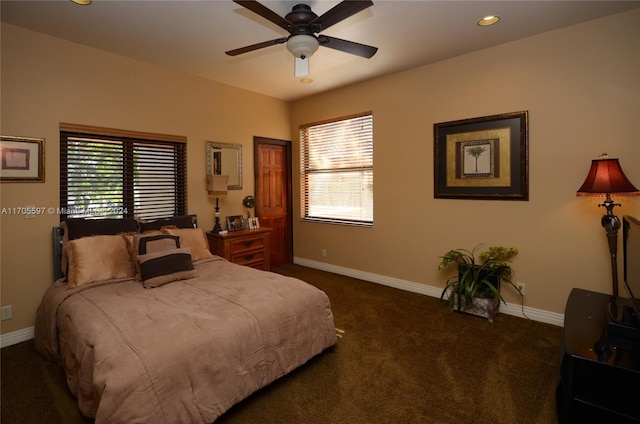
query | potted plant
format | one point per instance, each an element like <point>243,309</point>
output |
<point>476,287</point>
<point>249,202</point>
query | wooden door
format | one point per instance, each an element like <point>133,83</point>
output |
<point>274,196</point>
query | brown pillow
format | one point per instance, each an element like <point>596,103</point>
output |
<point>160,268</point>
<point>193,238</point>
<point>74,228</point>
<point>150,242</point>
<point>98,258</point>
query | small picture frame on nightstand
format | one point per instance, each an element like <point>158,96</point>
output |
<point>251,223</point>
<point>235,222</point>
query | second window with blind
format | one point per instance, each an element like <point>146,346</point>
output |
<point>336,165</point>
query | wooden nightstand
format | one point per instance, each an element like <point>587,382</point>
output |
<point>244,247</point>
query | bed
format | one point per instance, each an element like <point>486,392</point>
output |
<point>162,341</point>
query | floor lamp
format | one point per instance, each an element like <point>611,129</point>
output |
<point>606,178</point>
<point>217,186</point>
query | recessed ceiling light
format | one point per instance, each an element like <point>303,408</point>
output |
<point>82,2</point>
<point>306,80</point>
<point>488,20</point>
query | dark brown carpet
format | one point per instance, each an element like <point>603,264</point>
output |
<point>404,358</point>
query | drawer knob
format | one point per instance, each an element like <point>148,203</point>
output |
<point>249,257</point>
<point>248,243</point>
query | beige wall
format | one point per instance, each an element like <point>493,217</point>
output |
<point>46,81</point>
<point>581,86</point>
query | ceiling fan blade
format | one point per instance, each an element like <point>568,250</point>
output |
<point>339,12</point>
<point>358,49</point>
<point>257,46</point>
<point>267,13</point>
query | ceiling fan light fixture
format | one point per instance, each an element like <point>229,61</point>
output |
<point>82,2</point>
<point>302,45</point>
<point>488,20</point>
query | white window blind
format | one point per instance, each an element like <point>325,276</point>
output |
<point>114,176</point>
<point>337,170</point>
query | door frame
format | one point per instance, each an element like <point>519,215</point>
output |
<point>257,141</point>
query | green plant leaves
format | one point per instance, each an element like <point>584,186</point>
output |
<point>249,202</point>
<point>478,277</point>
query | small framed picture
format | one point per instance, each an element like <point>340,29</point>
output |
<point>235,222</point>
<point>251,223</point>
<point>21,159</point>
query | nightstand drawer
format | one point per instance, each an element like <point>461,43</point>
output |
<point>246,244</point>
<point>249,258</point>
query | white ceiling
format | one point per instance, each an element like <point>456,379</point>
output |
<point>192,36</point>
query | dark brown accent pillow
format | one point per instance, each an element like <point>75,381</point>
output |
<point>183,221</point>
<point>155,243</point>
<point>167,266</point>
<point>82,227</point>
<point>152,242</point>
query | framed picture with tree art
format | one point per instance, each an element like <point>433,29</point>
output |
<point>482,158</point>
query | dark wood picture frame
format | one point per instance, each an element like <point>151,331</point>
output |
<point>482,158</point>
<point>21,159</point>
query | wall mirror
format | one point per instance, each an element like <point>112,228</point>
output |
<point>225,159</point>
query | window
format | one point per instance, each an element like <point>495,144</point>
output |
<point>336,165</point>
<point>113,173</point>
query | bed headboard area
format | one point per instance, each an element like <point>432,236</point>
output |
<point>74,228</point>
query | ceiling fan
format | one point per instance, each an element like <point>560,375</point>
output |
<point>304,27</point>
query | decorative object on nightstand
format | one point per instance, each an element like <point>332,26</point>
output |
<point>249,202</point>
<point>217,186</point>
<point>605,178</point>
<point>475,289</point>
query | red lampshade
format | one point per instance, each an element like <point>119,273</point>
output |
<point>606,177</point>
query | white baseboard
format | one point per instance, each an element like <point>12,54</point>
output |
<point>16,337</point>
<point>516,310</point>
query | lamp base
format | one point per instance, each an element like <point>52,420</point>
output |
<point>611,225</point>
<point>217,228</point>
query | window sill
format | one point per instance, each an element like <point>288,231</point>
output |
<point>338,222</point>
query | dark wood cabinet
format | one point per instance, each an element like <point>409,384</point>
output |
<point>598,382</point>
<point>243,247</point>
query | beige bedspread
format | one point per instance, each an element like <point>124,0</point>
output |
<point>184,352</point>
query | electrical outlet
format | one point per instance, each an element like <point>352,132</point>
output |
<point>324,253</point>
<point>6,312</point>
<point>521,287</point>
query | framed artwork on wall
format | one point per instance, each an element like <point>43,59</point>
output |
<point>21,159</point>
<point>482,158</point>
